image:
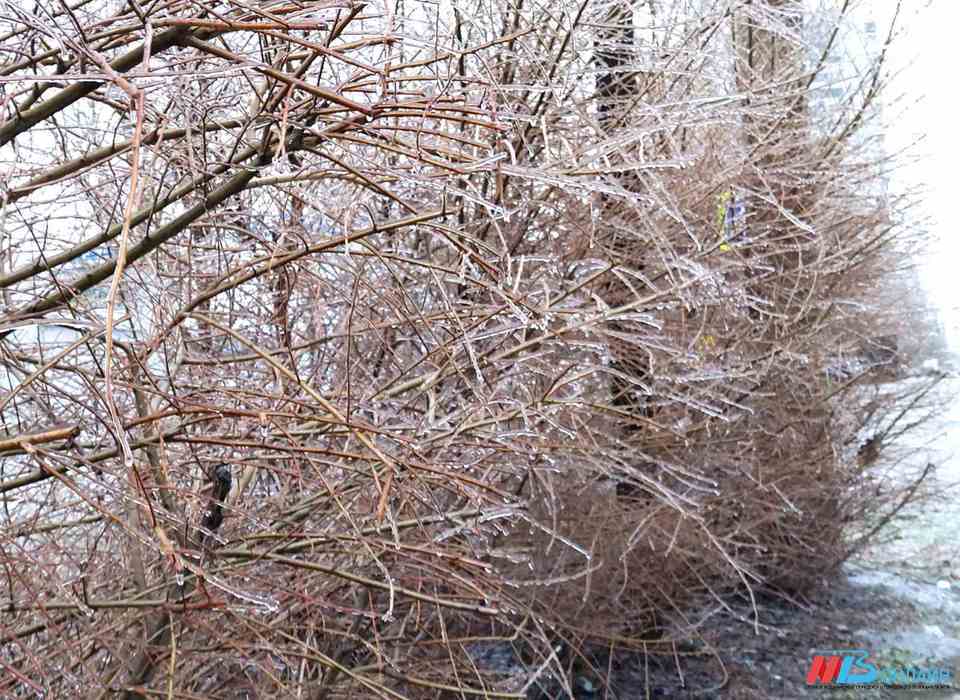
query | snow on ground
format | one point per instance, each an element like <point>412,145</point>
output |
<point>920,566</point>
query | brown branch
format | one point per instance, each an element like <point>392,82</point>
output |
<point>10,129</point>
<point>15,445</point>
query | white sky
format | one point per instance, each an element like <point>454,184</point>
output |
<point>929,56</point>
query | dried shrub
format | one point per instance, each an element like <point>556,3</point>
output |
<point>340,341</point>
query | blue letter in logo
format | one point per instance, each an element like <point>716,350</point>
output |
<point>856,659</point>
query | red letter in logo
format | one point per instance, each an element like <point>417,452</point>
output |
<point>823,669</point>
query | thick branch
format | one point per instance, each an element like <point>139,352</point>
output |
<point>25,121</point>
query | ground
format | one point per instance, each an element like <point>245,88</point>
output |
<point>901,620</point>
